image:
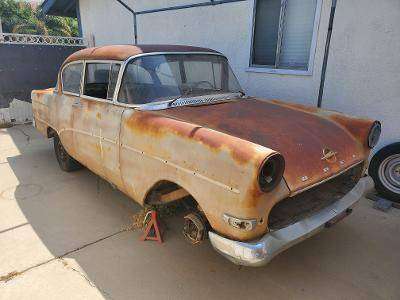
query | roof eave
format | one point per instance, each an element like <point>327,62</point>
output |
<point>64,8</point>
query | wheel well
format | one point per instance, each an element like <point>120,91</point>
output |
<point>165,191</point>
<point>51,132</point>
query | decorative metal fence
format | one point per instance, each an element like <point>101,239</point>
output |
<point>30,62</point>
<point>32,39</point>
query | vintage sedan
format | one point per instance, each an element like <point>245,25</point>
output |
<point>164,123</point>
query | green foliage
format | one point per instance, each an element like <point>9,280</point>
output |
<point>21,17</point>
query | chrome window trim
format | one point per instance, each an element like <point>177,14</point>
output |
<point>62,79</point>
<point>91,61</point>
<point>131,58</point>
<point>96,99</point>
<point>81,61</point>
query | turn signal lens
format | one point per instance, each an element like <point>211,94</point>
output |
<point>244,224</point>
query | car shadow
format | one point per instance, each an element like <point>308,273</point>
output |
<point>81,218</point>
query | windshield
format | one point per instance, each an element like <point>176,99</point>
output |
<point>156,78</point>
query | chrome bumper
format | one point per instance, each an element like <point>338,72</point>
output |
<point>259,253</point>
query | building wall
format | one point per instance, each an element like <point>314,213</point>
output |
<point>107,21</point>
<point>226,28</point>
<point>363,74</point>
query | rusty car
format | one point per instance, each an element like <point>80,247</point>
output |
<point>165,122</point>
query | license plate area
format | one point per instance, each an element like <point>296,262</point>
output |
<point>338,218</point>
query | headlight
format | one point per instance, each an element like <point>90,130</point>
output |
<point>374,134</point>
<point>271,172</point>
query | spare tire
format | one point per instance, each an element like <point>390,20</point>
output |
<point>385,171</point>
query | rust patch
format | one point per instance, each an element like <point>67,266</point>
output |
<point>359,128</point>
<point>123,52</point>
<point>299,133</point>
<point>158,125</point>
<point>9,276</point>
<point>297,106</point>
<point>39,93</point>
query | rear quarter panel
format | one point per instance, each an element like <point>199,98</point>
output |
<point>41,102</point>
<point>54,110</point>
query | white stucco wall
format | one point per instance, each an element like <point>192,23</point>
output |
<point>363,68</point>
<point>226,28</point>
<point>363,74</point>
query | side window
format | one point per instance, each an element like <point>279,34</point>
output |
<point>96,80</point>
<point>136,85</point>
<point>112,81</point>
<point>71,78</point>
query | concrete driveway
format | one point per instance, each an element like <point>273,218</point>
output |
<point>62,236</point>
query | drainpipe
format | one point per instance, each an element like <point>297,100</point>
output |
<point>326,54</point>
<point>78,16</point>
<point>134,28</point>
<point>1,31</point>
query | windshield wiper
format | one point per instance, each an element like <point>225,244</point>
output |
<point>185,93</point>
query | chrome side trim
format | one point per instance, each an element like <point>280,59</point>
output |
<point>260,252</point>
<point>188,171</point>
<point>124,146</point>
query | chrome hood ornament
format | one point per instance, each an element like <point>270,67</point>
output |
<point>329,155</point>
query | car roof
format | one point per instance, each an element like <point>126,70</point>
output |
<point>123,52</point>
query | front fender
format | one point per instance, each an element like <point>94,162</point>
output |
<point>220,171</point>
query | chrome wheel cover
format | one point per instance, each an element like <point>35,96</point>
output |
<point>389,173</point>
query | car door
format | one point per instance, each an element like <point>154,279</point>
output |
<point>85,113</point>
<point>109,121</point>
<point>71,80</point>
<point>97,121</point>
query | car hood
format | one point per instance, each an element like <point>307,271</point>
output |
<point>300,135</point>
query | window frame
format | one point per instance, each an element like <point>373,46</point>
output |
<point>62,78</point>
<point>285,71</point>
<point>84,62</point>
<point>131,58</point>
<point>94,61</point>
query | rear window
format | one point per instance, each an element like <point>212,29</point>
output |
<point>71,78</point>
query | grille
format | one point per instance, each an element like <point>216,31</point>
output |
<point>293,209</point>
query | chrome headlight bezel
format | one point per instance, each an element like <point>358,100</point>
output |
<point>374,134</point>
<point>271,172</point>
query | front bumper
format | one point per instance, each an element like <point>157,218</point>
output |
<point>260,252</point>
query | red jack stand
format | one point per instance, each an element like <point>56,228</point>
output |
<point>152,224</point>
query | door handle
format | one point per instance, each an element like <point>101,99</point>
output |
<point>77,104</point>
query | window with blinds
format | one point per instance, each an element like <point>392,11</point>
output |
<point>283,32</point>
